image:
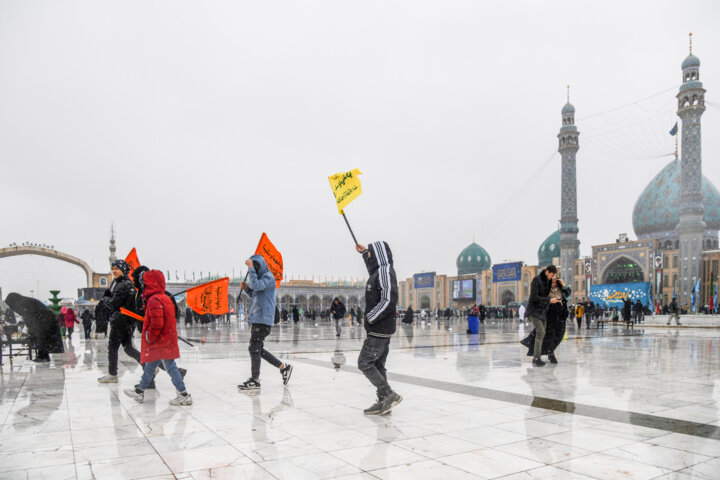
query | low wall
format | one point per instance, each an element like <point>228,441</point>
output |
<point>685,320</point>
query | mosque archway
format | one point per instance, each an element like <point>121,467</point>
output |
<point>425,302</point>
<point>623,270</point>
<point>507,297</point>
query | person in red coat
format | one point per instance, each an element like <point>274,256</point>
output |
<point>159,340</point>
<point>70,321</point>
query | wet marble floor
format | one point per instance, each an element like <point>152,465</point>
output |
<point>635,404</point>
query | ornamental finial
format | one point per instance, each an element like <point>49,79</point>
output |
<point>690,43</point>
<point>568,94</point>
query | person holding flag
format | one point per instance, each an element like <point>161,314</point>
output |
<point>121,294</point>
<point>261,316</point>
<point>381,295</point>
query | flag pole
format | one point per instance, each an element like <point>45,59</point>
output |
<point>181,338</point>
<point>349,228</point>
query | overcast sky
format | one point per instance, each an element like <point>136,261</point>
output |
<point>196,126</point>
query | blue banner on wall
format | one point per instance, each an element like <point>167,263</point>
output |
<point>507,272</point>
<point>612,294</point>
<point>424,280</point>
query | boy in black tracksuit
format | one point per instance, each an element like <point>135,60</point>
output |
<point>381,294</point>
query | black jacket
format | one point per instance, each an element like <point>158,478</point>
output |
<point>381,291</point>
<point>337,309</point>
<point>539,300</point>
<point>121,294</point>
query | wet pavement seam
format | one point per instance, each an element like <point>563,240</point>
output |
<point>610,414</point>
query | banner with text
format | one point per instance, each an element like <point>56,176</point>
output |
<point>507,272</point>
<point>424,280</point>
<point>612,294</point>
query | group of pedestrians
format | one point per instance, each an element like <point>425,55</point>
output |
<point>145,295</point>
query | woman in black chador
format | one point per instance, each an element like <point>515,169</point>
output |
<point>42,325</point>
<point>556,315</point>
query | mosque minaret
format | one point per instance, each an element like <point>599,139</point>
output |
<point>568,146</point>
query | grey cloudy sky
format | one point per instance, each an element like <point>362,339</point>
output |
<point>196,126</point>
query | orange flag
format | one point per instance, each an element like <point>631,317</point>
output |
<point>134,315</point>
<point>211,297</point>
<point>132,260</point>
<point>272,257</point>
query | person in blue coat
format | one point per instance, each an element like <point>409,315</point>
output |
<point>261,316</point>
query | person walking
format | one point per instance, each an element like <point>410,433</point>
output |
<point>261,315</point>
<point>70,321</point>
<point>556,318</point>
<point>638,311</point>
<point>159,344</point>
<point>121,294</point>
<point>87,319</point>
<point>337,309</point>
<point>381,294</point>
<point>61,320</point>
<point>409,316</point>
<point>579,313</point>
<point>537,308</point>
<point>674,312</point>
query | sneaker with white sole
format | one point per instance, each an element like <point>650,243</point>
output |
<point>136,394</point>
<point>286,371</point>
<point>249,384</point>
<point>108,379</point>
<point>182,399</point>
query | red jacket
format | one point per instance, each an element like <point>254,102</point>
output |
<point>159,334</point>
<point>70,318</point>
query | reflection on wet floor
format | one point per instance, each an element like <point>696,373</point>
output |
<point>620,404</point>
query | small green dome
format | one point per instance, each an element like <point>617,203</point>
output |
<point>549,249</point>
<point>473,259</point>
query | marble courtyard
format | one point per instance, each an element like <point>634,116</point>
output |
<point>633,404</point>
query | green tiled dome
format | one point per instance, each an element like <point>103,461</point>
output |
<point>549,249</point>
<point>473,259</point>
<point>657,210</point>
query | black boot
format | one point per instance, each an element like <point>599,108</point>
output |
<point>537,362</point>
<point>552,358</point>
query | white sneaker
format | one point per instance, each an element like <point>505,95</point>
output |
<point>135,394</point>
<point>182,399</point>
<point>108,379</point>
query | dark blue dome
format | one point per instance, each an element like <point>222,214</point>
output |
<point>657,210</point>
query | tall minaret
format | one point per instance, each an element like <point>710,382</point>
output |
<point>691,105</point>
<point>112,243</point>
<point>568,147</point>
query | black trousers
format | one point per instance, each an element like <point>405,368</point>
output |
<point>120,334</point>
<point>257,341</point>
<point>88,329</point>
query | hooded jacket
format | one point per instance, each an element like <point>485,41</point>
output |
<point>381,291</point>
<point>70,318</point>
<point>261,288</point>
<point>159,333</point>
<point>539,299</point>
<point>337,309</point>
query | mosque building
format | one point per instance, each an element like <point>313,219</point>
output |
<point>676,220</point>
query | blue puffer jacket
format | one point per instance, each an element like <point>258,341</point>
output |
<point>261,288</point>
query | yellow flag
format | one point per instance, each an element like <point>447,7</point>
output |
<point>345,187</point>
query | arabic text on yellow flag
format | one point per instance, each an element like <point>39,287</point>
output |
<point>345,187</point>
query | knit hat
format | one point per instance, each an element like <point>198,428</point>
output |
<point>121,265</point>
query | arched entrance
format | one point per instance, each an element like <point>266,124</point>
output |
<point>507,297</point>
<point>623,270</point>
<point>50,253</point>
<point>425,301</point>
